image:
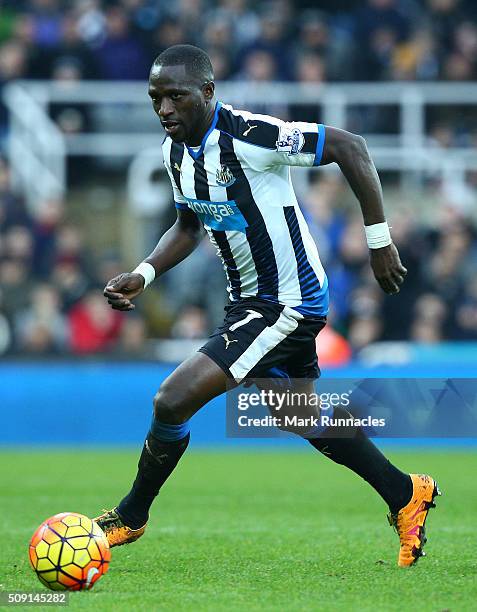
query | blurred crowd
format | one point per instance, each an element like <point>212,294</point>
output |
<point>51,282</point>
<point>267,40</point>
<point>51,278</point>
<point>438,300</point>
<point>51,285</point>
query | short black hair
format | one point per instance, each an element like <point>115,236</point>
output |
<point>196,61</point>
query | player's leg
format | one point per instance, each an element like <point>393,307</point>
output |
<point>351,447</point>
<point>348,446</point>
<point>408,497</point>
<point>195,382</point>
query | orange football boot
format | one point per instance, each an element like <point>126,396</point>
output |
<point>115,530</point>
<point>409,522</point>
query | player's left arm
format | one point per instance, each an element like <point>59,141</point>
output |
<point>351,154</point>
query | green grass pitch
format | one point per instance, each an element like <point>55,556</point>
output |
<point>250,530</point>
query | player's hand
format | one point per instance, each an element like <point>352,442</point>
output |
<point>121,289</point>
<point>388,269</point>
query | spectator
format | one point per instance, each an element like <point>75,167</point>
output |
<point>15,285</point>
<point>19,245</point>
<point>465,37</point>
<point>218,39</point>
<point>466,313</point>
<point>13,65</point>
<point>347,272</point>
<point>190,13</point>
<point>93,326</point>
<point>72,50</point>
<point>41,328</point>
<point>310,69</point>
<point>191,323</point>
<point>259,66</point>
<point>70,281</point>
<point>5,333</point>
<point>46,22</point>
<point>430,315</point>
<point>133,339</point>
<point>91,21</point>
<point>143,15</point>
<point>444,16</point>
<point>457,67</point>
<point>169,32</point>
<point>221,64</point>
<point>381,15</point>
<point>379,27</point>
<point>317,38</point>
<point>272,45</point>
<point>323,208</point>
<point>70,248</point>
<point>12,208</point>
<point>121,56</point>
<point>48,217</point>
<point>416,58</point>
<point>245,23</point>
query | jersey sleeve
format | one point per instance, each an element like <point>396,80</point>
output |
<point>179,200</point>
<point>283,143</point>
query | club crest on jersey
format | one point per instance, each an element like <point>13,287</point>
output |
<point>224,177</point>
<point>290,141</point>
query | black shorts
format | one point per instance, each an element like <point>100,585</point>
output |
<point>260,339</point>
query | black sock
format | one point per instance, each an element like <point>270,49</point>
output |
<point>156,463</point>
<point>350,447</point>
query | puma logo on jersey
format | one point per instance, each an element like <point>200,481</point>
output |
<point>177,167</point>
<point>227,341</point>
<point>249,129</point>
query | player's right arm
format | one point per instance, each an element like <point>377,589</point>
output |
<point>280,143</point>
<point>351,154</point>
<point>175,245</point>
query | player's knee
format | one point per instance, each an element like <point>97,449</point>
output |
<point>169,408</point>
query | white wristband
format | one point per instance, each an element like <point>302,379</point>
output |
<point>147,271</point>
<point>377,235</point>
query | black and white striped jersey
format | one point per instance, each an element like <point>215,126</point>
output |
<point>238,183</point>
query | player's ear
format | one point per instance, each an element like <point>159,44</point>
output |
<point>208,89</point>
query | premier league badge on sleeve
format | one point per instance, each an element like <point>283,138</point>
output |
<point>290,140</point>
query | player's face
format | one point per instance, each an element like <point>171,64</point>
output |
<point>181,104</point>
